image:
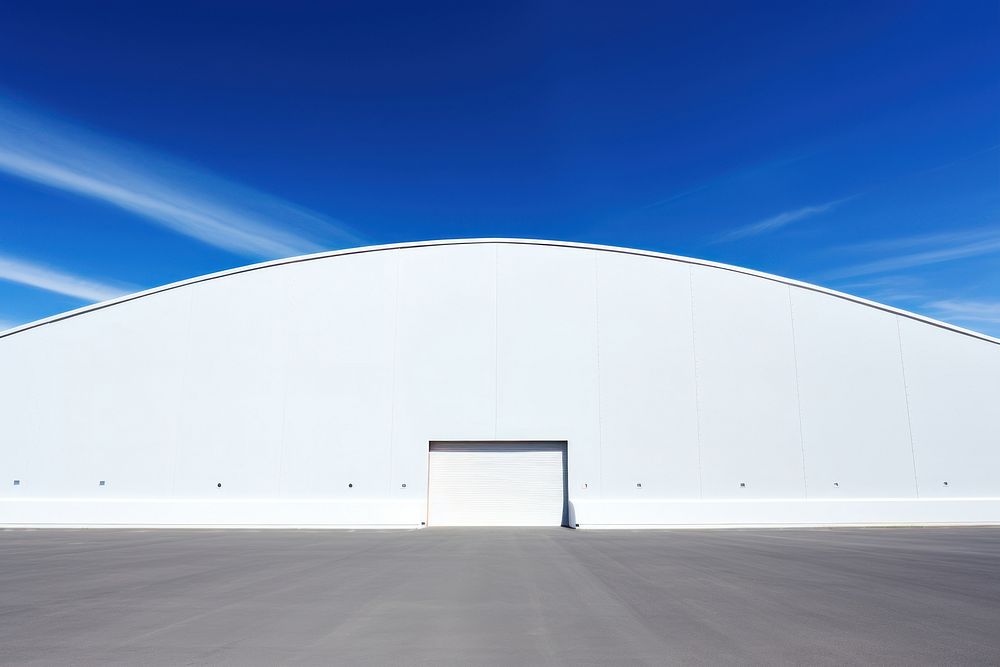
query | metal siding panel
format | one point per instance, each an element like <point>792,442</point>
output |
<point>854,424</point>
<point>547,371</point>
<point>339,356</point>
<point>649,426</point>
<point>953,388</point>
<point>445,358</point>
<point>748,405</point>
<point>232,408</point>
<point>102,400</point>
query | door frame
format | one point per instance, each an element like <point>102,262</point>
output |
<point>474,441</point>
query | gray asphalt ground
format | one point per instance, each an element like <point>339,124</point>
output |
<point>501,596</point>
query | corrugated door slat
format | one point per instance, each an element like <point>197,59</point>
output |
<point>497,484</point>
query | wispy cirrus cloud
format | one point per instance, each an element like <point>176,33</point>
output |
<point>893,289</point>
<point>780,220</point>
<point>965,311</point>
<point>33,274</point>
<point>740,174</point>
<point>923,250</point>
<point>180,197</point>
<point>676,196</point>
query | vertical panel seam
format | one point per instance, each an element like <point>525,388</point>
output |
<point>906,400</point>
<point>798,393</point>
<point>496,341</point>
<point>185,396</point>
<point>392,391</point>
<point>284,393</point>
<point>697,390</point>
<point>597,348</point>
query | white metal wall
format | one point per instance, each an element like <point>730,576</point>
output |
<point>690,394</point>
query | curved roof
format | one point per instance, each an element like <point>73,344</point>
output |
<point>539,242</point>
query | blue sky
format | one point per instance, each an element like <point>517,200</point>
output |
<point>851,144</point>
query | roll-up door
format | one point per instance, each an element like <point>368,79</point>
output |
<point>497,484</point>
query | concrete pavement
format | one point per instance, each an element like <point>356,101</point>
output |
<point>501,597</point>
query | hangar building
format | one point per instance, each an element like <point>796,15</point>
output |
<point>496,382</point>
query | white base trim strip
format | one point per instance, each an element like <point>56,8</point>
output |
<point>626,514</point>
<point>783,512</point>
<point>212,513</point>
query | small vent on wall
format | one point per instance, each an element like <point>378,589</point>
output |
<point>17,482</point>
<point>102,483</point>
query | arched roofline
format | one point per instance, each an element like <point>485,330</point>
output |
<point>507,241</point>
